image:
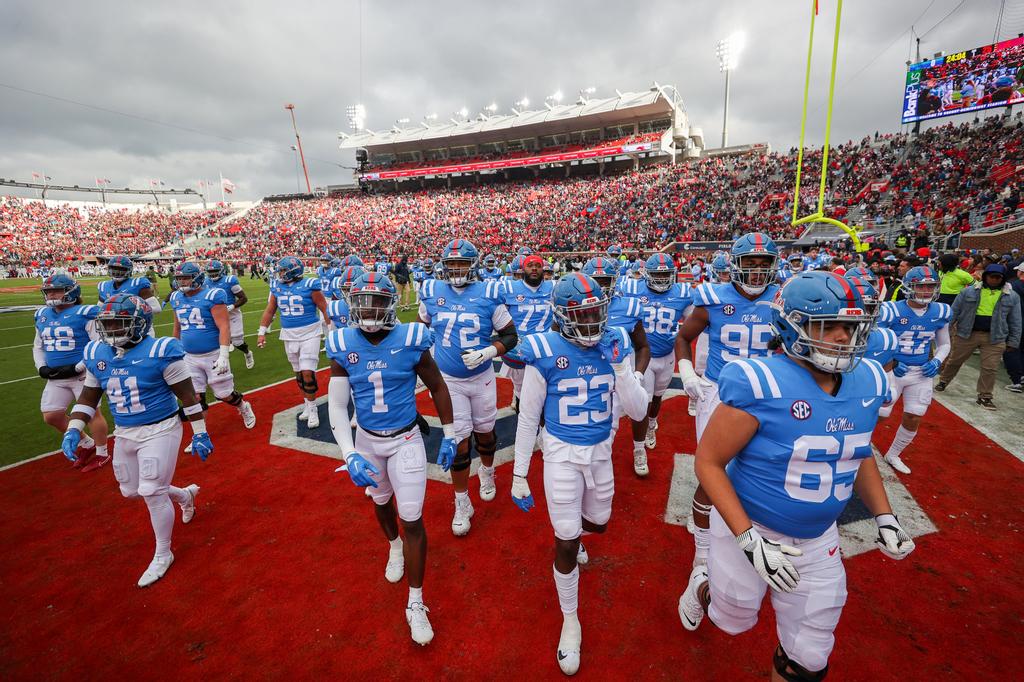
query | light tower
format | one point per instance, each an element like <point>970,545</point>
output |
<point>728,52</point>
<point>298,141</point>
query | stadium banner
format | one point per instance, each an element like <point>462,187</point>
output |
<point>974,80</point>
<point>721,246</point>
<point>597,153</point>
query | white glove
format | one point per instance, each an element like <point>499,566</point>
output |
<point>230,307</point>
<point>769,560</point>
<point>694,385</point>
<point>222,365</point>
<point>892,540</point>
<point>474,358</point>
<point>521,495</point>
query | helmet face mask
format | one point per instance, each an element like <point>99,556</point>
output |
<point>60,290</point>
<point>458,271</point>
<point>922,285</point>
<point>753,273</point>
<point>583,324</point>
<point>372,300</point>
<point>604,271</point>
<point>660,273</point>
<point>215,270</point>
<point>289,269</point>
<point>188,277</point>
<point>124,321</point>
<point>833,345</point>
<point>119,272</point>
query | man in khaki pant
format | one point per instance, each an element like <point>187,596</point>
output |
<point>986,316</point>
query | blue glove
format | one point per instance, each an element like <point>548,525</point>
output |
<point>612,347</point>
<point>521,495</point>
<point>931,368</point>
<point>72,437</point>
<point>359,470</point>
<point>202,446</point>
<point>900,369</point>
<point>446,453</point>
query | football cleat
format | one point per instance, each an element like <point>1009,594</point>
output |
<point>487,487</point>
<point>569,644</point>
<point>248,416</point>
<point>313,421</point>
<point>691,611</point>
<point>463,513</point>
<point>95,463</point>
<point>896,463</point>
<point>250,361</point>
<point>188,448</point>
<point>640,463</point>
<point>304,415</point>
<point>419,624</point>
<point>395,568</point>
<point>582,558</point>
<point>156,570</point>
<point>83,456</point>
<point>188,507</point>
<point>652,436</point>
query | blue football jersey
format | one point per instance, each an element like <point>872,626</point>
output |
<point>486,274</point>
<point>134,383</point>
<point>882,345</point>
<point>915,327</point>
<point>327,275</point>
<point>132,285</point>
<point>625,312</point>
<point>461,320</point>
<point>63,334</point>
<point>662,312</point>
<point>417,273</point>
<point>737,327</point>
<point>796,474</point>
<point>382,267</point>
<point>295,301</point>
<point>382,377</point>
<point>227,284</point>
<point>199,333</point>
<point>580,382</point>
<point>784,274</point>
<point>337,313</point>
<point>530,308</point>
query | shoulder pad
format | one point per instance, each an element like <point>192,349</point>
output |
<point>335,342</point>
<point>534,347</point>
<point>91,349</point>
<point>945,311</point>
<point>753,376</point>
<point>877,374</point>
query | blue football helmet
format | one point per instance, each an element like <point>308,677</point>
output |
<point>754,279</point>
<point>604,271</point>
<point>636,269</point>
<point>525,251</point>
<point>428,266</point>
<point>458,262</point>
<point>581,309</point>
<point>350,260</point>
<point>614,251</point>
<point>721,267</point>
<point>123,321</point>
<point>372,299</point>
<point>69,289</point>
<point>348,278</point>
<point>868,276</point>
<point>516,267</point>
<point>921,284</point>
<point>660,272</point>
<point>188,276</point>
<point>215,270</point>
<point>119,268</point>
<point>325,259</point>
<point>807,308</point>
<point>290,269</point>
<point>438,271</point>
<point>867,290</point>
<point>490,262</point>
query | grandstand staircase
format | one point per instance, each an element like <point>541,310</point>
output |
<point>208,236</point>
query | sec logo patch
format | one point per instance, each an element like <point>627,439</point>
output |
<point>353,358</point>
<point>645,300</point>
<point>561,362</point>
<point>440,301</point>
<point>904,320</point>
<point>728,309</point>
<point>800,410</point>
<point>520,298</point>
<point>101,365</point>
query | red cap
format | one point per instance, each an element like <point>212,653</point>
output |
<point>531,259</point>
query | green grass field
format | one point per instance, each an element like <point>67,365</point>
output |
<point>22,427</point>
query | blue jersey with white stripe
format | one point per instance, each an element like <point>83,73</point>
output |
<point>915,327</point>
<point>337,313</point>
<point>295,301</point>
<point>737,327</point>
<point>487,275</point>
<point>625,312</point>
<point>580,382</point>
<point>382,376</point>
<point>417,273</point>
<point>382,268</point>
<point>461,319</point>
<point>64,334</point>
<point>796,474</point>
<point>530,309</point>
<point>226,283</point>
<point>132,285</point>
<point>882,345</point>
<point>662,313</point>
<point>199,332</point>
<point>327,276</point>
<point>134,383</point>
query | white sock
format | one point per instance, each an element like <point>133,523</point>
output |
<point>161,514</point>
<point>638,445</point>
<point>652,424</point>
<point>101,450</point>
<point>310,405</point>
<point>568,586</point>
<point>86,442</point>
<point>701,536</point>
<point>461,497</point>
<point>415,595</point>
<point>904,437</point>
<point>396,544</point>
<point>485,470</point>
<point>177,494</point>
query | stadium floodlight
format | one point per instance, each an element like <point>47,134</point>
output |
<point>463,113</point>
<point>401,121</point>
<point>728,52</point>
<point>356,117</point>
<point>492,107</point>
<point>521,104</point>
<point>555,97</point>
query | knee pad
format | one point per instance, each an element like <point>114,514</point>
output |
<point>792,671</point>
<point>485,449</point>
<point>461,461</point>
<point>235,399</point>
<point>309,386</point>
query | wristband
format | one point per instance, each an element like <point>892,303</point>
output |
<point>225,350</point>
<point>198,425</point>
<point>88,411</point>
<point>887,520</point>
<point>449,431</point>
<point>230,307</point>
<point>262,331</point>
<point>77,425</point>
<point>193,409</point>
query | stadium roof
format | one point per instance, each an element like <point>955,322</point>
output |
<point>593,113</point>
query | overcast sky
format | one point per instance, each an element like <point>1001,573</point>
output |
<point>200,87</point>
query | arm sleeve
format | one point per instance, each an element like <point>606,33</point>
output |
<point>154,303</point>
<point>531,403</point>
<point>424,315</point>
<point>942,343</point>
<point>37,351</point>
<point>338,390</point>
<point>91,381</point>
<point>175,372</point>
<point>501,318</point>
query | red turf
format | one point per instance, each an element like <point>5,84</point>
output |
<point>281,575</point>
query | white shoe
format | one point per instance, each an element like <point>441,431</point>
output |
<point>582,558</point>
<point>652,437</point>
<point>313,421</point>
<point>304,415</point>
<point>487,487</point>
<point>156,570</point>
<point>691,408</point>
<point>248,416</point>
<point>188,507</point>
<point>691,611</point>
<point>250,361</point>
<point>463,513</point>
<point>569,644</point>
<point>419,624</point>
<point>640,463</point>
<point>896,463</point>
<point>395,568</point>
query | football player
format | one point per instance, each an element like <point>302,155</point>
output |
<point>236,298</point>
<point>918,321</point>
<point>299,299</point>
<point>337,308</point>
<point>377,360</point>
<point>463,315</point>
<point>121,282</point>
<point>63,328</point>
<point>381,265</point>
<point>549,270</point>
<point>528,301</point>
<point>490,269</point>
<point>780,458</point>
<point>883,344</point>
<point>201,324</point>
<point>572,378</point>
<point>737,319</point>
<point>515,269</point>
<point>664,300</point>
<point>143,378</point>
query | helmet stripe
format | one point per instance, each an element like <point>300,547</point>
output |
<point>850,301</point>
<point>757,242</point>
<point>586,286</point>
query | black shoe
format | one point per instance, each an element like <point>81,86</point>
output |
<point>1015,388</point>
<point>986,402</point>
<point>941,386</point>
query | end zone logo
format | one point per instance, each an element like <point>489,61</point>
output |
<point>561,362</point>
<point>800,410</point>
<point>728,309</point>
<point>353,358</point>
